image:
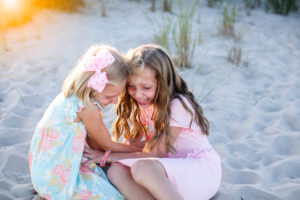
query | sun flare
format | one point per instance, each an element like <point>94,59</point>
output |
<point>14,12</point>
<point>10,3</point>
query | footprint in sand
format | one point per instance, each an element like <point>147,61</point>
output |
<point>233,163</point>
<point>242,150</point>
<point>13,121</point>
<point>6,196</point>
<point>292,116</point>
<point>21,110</point>
<point>245,177</point>
<point>11,137</point>
<point>235,177</point>
<point>275,128</point>
<point>251,192</point>
<point>284,169</point>
<point>269,105</point>
<point>5,185</point>
<point>19,173</point>
<point>32,101</point>
<point>23,190</point>
<point>292,93</point>
<point>284,145</point>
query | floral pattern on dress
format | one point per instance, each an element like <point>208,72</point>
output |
<point>56,153</point>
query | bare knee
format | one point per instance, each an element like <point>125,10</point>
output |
<point>115,172</point>
<point>143,169</point>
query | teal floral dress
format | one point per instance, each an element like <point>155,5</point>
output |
<point>55,157</point>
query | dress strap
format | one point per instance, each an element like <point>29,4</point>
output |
<point>99,105</point>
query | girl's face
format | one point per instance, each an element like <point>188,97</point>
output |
<point>110,94</point>
<point>142,87</point>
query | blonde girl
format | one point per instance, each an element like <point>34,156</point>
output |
<point>72,122</point>
<point>158,106</point>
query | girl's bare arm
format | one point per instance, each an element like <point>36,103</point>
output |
<point>159,150</point>
<point>98,132</point>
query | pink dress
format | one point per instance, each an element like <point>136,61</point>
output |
<point>195,169</point>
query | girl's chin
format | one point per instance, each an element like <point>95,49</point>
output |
<point>144,105</point>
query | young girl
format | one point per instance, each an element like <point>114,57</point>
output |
<point>161,109</point>
<point>72,122</point>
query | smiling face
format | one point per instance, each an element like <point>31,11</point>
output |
<point>110,94</point>
<point>142,87</point>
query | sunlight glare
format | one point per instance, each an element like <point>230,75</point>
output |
<point>9,3</point>
<point>13,12</point>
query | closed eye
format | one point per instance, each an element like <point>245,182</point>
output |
<point>131,86</point>
<point>111,97</point>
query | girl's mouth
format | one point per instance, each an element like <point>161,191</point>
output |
<point>142,102</point>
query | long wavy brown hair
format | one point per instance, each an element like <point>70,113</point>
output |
<point>169,86</point>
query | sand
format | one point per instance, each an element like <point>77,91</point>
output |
<point>254,110</point>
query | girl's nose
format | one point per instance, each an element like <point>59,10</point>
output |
<point>138,94</point>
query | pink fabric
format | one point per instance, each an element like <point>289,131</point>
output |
<point>146,115</point>
<point>195,169</point>
<point>96,63</point>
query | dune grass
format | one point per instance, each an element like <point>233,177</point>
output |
<point>3,41</point>
<point>228,22</point>
<point>235,54</point>
<point>252,4</point>
<point>162,37</point>
<point>180,30</point>
<point>167,5</point>
<point>182,35</point>
<point>213,3</point>
<point>103,8</point>
<point>283,7</point>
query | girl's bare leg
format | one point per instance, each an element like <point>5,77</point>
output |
<point>121,177</point>
<point>151,175</point>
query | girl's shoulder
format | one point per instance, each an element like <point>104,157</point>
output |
<point>95,109</point>
<point>176,103</point>
<point>181,117</point>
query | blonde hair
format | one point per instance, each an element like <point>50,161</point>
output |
<point>76,82</point>
<point>169,86</point>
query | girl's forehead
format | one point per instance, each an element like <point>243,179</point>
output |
<point>145,75</point>
<point>135,79</point>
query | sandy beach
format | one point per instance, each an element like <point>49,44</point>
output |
<point>253,108</point>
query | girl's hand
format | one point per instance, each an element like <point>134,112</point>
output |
<point>94,156</point>
<point>91,153</point>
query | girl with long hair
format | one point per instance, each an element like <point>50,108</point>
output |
<point>177,161</point>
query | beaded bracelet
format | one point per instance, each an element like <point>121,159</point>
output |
<point>103,161</point>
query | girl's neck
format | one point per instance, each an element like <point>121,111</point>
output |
<point>147,107</point>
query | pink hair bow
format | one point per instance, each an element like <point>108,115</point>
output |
<point>96,63</point>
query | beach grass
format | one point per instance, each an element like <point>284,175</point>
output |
<point>252,4</point>
<point>183,40</point>
<point>235,54</point>
<point>167,5</point>
<point>213,3</point>
<point>3,41</point>
<point>228,22</point>
<point>283,7</point>
<point>162,37</point>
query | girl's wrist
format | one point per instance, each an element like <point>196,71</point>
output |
<point>104,159</point>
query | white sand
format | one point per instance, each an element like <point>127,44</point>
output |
<point>254,111</point>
